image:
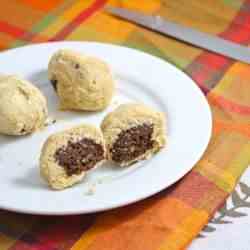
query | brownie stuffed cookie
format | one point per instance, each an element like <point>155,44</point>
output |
<point>67,156</point>
<point>133,132</point>
<point>81,82</point>
<point>23,107</point>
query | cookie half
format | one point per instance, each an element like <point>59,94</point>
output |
<point>133,132</point>
<point>67,156</point>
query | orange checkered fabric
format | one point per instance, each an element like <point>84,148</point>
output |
<point>173,218</point>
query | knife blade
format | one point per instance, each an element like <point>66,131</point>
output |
<point>186,34</point>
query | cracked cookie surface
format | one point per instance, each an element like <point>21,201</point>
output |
<point>23,107</point>
<point>81,82</point>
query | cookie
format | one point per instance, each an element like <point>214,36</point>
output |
<point>133,132</point>
<point>23,108</point>
<point>67,156</point>
<point>81,82</point>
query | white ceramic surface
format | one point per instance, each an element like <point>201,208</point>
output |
<point>140,77</point>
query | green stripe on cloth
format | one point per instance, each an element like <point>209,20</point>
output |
<point>234,3</point>
<point>45,22</point>
<point>138,41</point>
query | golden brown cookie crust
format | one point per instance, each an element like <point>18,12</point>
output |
<point>23,108</point>
<point>81,82</point>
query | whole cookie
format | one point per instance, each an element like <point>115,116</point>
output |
<point>81,82</point>
<point>23,108</point>
<point>67,156</point>
<point>133,132</point>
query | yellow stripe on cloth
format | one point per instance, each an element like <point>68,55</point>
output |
<point>6,242</point>
<point>184,233</point>
<point>176,51</point>
<point>148,6</point>
<point>224,147</point>
<point>87,238</point>
<point>67,16</point>
<point>207,17</point>
<point>239,73</point>
<point>223,179</point>
<point>109,28</point>
<point>101,224</point>
<point>237,78</point>
<point>114,230</point>
<point>77,8</point>
<point>55,27</point>
<point>114,30</point>
<point>240,162</point>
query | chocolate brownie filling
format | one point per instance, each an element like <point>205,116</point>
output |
<point>132,143</point>
<point>79,156</point>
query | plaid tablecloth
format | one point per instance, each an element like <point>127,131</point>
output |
<point>172,219</point>
<point>229,228</point>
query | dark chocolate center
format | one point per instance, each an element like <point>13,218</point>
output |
<point>79,156</point>
<point>54,84</point>
<point>132,143</point>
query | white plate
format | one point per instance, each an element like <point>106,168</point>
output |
<point>140,77</point>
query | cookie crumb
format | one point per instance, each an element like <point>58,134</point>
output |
<point>91,190</point>
<point>50,121</point>
<point>116,103</point>
<point>104,179</point>
<point>100,181</point>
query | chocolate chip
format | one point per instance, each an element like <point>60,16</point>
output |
<point>77,66</point>
<point>23,131</point>
<point>54,84</point>
<point>79,156</point>
<point>132,143</point>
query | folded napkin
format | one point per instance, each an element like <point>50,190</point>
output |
<point>173,218</point>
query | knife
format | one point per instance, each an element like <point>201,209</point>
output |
<point>186,34</point>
